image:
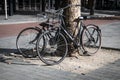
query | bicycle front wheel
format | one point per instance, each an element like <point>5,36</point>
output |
<point>55,47</point>
<point>26,42</point>
<point>91,39</point>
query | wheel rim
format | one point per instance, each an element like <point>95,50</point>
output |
<point>26,42</point>
<point>91,41</point>
<point>55,49</point>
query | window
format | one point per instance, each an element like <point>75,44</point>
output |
<point>20,4</point>
<point>1,5</point>
<point>28,5</point>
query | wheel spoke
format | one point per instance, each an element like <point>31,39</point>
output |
<point>91,40</point>
<point>52,53</point>
<point>26,41</point>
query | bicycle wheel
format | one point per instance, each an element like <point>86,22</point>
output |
<point>26,42</point>
<point>55,48</point>
<point>91,39</point>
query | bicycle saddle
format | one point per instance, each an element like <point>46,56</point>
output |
<point>44,24</point>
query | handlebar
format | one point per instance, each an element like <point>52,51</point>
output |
<point>55,13</point>
<point>62,9</point>
<point>59,12</point>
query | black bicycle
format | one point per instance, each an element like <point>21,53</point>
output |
<point>26,39</point>
<point>54,48</point>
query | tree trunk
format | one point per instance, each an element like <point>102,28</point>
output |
<point>70,15</point>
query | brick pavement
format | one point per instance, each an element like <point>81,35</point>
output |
<point>9,32</point>
<point>21,70</point>
<point>25,71</point>
<point>13,29</point>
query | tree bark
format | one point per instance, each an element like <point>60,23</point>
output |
<point>70,15</point>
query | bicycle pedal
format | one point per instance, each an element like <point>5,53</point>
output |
<point>85,52</point>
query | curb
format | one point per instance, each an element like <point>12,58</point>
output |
<point>110,48</point>
<point>2,50</point>
<point>104,17</point>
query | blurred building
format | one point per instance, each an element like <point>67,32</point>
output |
<point>36,6</point>
<point>25,6</point>
<point>104,4</point>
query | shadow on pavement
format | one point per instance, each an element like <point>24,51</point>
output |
<point>6,50</point>
<point>110,71</point>
<point>12,56</point>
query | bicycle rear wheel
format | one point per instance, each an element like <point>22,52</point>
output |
<point>91,39</point>
<point>55,48</point>
<point>26,42</point>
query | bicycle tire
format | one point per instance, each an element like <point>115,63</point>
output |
<point>55,49</point>
<point>26,42</point>
<point>91,39</point>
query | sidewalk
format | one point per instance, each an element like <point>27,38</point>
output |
<point>20,19</point>
<point>10,28</point>
<point>110,34</point>
<point>102,66</point>
<point>19,69</point>
<point>107,13</point>
<point>99,14</point>
<point>22,70</point>
<point>27,71</point>
<point>34,72</point>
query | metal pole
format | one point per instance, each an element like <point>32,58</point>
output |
<point>6,16</point>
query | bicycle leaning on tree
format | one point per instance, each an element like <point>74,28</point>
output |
<point>26,39</point>
<point>52,45</point>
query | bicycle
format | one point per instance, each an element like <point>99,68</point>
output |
<point>26,39</point>
<point>57,40</point>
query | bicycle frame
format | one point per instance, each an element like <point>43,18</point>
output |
<point>69,35</point>
<point>80,27</point>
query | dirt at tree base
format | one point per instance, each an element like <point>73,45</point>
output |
<point>84,64</point>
